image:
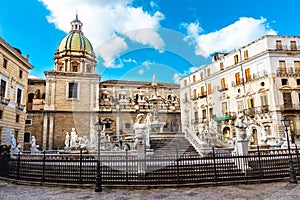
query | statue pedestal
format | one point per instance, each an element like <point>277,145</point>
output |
<point>141,154</point>
<point>241,149</point>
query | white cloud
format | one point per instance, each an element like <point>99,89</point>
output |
<point>109,50</point>
<point>240,33</point>
<point>141,71</point>
<point>147,64</point>
<point>177,77</point>
<point>104,19</point>
<point>129,60</point>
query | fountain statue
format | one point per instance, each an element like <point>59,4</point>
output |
<point>34,146</point>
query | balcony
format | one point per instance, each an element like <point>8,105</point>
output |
<point>202,95</point>
<point>290,107</point>
<point>222,88</point>
<point>20,107</point>
<point>4,101</point>
<point>287,71</point>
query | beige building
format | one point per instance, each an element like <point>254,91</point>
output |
<point>261,80</point>
<point>13,93</point>
<point>72,96</point>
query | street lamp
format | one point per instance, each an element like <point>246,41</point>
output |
<point>286,123</point>
<point>99,127</point>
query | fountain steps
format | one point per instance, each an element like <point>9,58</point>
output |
<point>168,144</point>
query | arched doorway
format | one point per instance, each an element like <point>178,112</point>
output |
<point>226,131</point>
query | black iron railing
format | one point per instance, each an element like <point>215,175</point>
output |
<point>128,169</point>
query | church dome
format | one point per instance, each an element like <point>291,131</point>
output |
<point>75,41</point>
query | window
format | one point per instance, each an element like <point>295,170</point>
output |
<point>250,103</point>
<point>240,105</point>
<point>221,66</point>
<point>282,66</point>
<point>88,69</point>
<point>237,78</point>
<point>278,45</point>
<point>248,75</point>
<point>284,81</point>
<point>223,83</point>
<point>287,100</point>
<point>1,114</point>
<point>246,55</point>
<point>297,66</point>
<point>17,118</point>
<point>209,90</point>
<point>73,91</point>
<point>28,121</point>
<point>0,135</point>
<point>3,88</point>
<point>19,96</point>
<point>293,45</point>
<point>236,59</point>
<point>208,72</point>
<point>26,137</point>
<point>185,97</point>
<point>264,100</point>
<point>224,108</point>
<point>298,81</point>
<point>202,91</point>
<point>201,75</point>
<point>20,74</point>
<point>4,64</point>
<point>196,115</point>
<point>185,82</point>
<point>194,78</point>
<point>195,93</point>
<point>203,114</point>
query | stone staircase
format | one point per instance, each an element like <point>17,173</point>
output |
<point>167,144</point>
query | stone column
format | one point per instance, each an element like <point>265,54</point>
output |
<point>47,93</point>
<point>52,94</point>
<point>51,131</point>
<point>92,96</point>
<point>45,128</point>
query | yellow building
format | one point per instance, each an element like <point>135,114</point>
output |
<point>13,93</point>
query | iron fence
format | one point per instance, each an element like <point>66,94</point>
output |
<point>128,169</point>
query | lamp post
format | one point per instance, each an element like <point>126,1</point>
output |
<point>286,123</point>
<point>99,127</point>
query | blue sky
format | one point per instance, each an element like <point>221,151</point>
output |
<point>134,39</point>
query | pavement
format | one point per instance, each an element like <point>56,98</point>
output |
<point>277,190</point>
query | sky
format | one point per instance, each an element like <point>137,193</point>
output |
<point>134,39</point>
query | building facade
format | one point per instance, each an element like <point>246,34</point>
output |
<point>72,96</point>
<point>260,80</point>
<point>13,93</point>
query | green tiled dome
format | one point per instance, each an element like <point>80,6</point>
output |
<point>75,41</point>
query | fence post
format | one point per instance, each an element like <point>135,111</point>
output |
<point>297,154</point>
<point>44,164</point>
<point>259,162</point>
<point>18,165</point>
<point>126,151</point>
<point>80,168</point>
<point>177,163</point>
<point>215,164</point>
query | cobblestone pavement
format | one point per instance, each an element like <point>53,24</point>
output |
<point>282,190</point>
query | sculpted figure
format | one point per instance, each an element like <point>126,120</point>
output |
<point>241,126</point>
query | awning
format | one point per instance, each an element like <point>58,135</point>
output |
<point>220,118</point>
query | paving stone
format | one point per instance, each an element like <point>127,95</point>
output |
<point>282,190</point>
